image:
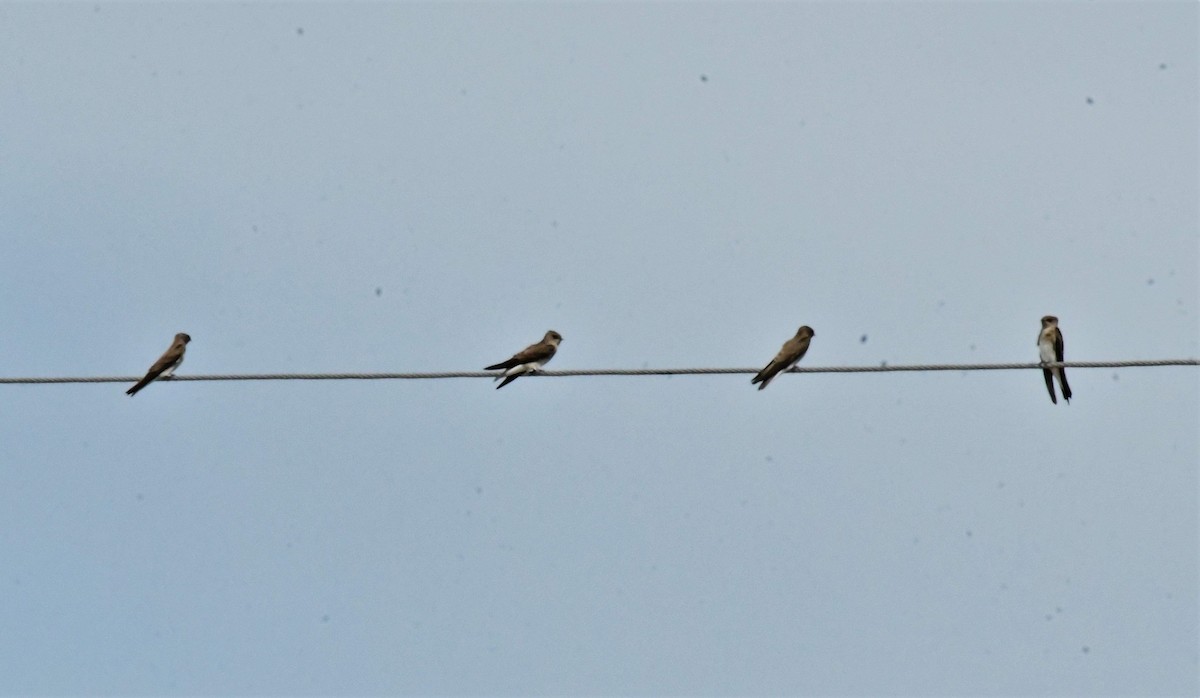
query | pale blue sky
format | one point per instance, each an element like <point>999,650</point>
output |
<point>665,185</point>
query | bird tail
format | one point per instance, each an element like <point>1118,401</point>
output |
<point>1062,383</point>
<point>138,386</point>
<point>1049,376</point>
<point>764,376</point>
<point>507,380</point>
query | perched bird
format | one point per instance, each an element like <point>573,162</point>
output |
<point>528,360</point>
<point>793,350</point>
<point>1050,349</point>
<point>166,364</point>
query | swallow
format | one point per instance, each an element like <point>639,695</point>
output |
<point>166,364</point>
<point>793,350</point>
<point>528,360</point>
<point>1050,348</point>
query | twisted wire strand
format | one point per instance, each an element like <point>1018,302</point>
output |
<point>882,368</point>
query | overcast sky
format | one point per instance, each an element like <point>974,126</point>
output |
<point>430,187</point>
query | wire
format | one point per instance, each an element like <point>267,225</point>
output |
<point>882,368</point>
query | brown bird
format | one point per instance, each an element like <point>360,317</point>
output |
<point>528,360</point>
<point>1050,349</point>
<point>166,364</point>
<point>793,350</point>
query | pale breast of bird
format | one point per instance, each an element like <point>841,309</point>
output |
<point>1046,349</point>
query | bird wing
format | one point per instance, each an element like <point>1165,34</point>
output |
<point>168,359</point>
<point>540,352</point>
